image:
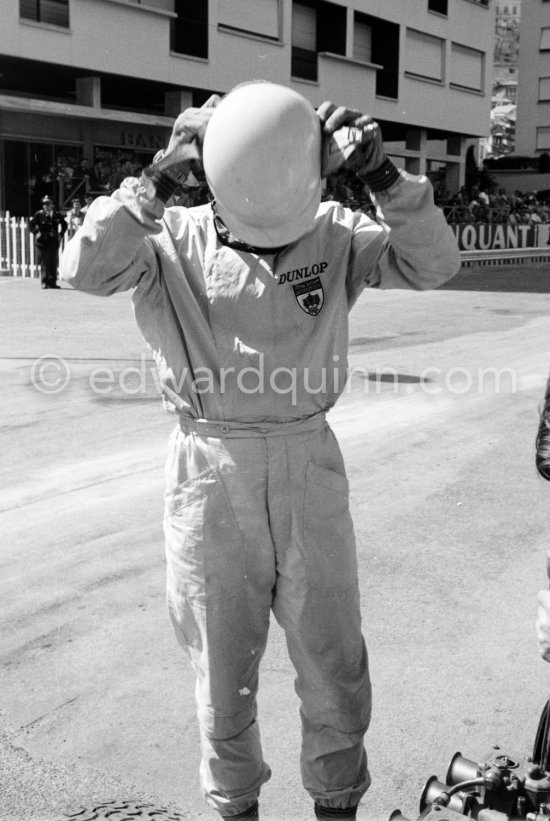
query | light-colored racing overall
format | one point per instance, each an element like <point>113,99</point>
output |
<point>251,350</point>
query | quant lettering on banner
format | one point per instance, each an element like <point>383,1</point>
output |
<point>495,236</point>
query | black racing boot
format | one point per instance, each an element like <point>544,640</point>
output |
<point>251,814</point>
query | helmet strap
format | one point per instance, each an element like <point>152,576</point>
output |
<point>226,237</point>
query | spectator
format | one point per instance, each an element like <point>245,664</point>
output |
<point>74,217</point>
<point>122,171</point>
<point>66,180</point>
<point>88,199</point>
<point>85,175</point>
<point>45,186</point>
<point>104,173</point>
<point>48,227</point>
<point>474,207</point>
<point>483,197</point>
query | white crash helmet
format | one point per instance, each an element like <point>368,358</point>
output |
<point>262,161</point>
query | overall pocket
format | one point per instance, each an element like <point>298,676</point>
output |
<point>205,551</point>
<point>329,540</point>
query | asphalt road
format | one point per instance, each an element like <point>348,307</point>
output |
<point>437,428</point>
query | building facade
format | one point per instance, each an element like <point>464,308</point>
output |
<point>506,57</point>
<point>502,139</point>
<point>533,113</point>
<point>102,80</point>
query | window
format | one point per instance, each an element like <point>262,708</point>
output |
<point>260,17</point>
<point>304,42</point>
<point>425,55</point>
<point>544,39</point>
<point>439,6</point>
<point>544,89</point>
<point>379,39</point>
<point>362,42</point>
<point>467,67</point>
<point>189,31</point>
<point>543,138</point>
<point>55,12</point>
<point>316,26</point>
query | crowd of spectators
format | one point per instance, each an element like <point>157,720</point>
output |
<point>346,188</point>
<point>468,205</point>
<point>73,177</point>
<point>477,205</point>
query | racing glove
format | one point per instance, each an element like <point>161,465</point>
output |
<point>170,167</point>
<point>353,141</point>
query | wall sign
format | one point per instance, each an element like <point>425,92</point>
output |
<point>496,237</point>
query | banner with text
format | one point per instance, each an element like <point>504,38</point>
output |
<point>495,236</point>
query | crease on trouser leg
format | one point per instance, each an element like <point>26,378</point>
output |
<point>227,762</point>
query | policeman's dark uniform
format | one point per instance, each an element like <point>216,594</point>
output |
<point>48,226</point>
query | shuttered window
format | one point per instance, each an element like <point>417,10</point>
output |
<point>544,89</point>
<point>467,67</point>
<point>260,17</point>
<point>425,55</point>
<point>304,42</point>
<point>55,12</point>
<point>362,42</point>
<point>304,27</point>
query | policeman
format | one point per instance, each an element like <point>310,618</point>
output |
<point>48,227</point>
<point>244,302</point>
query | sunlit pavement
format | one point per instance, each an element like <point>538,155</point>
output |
<point>437,429</point>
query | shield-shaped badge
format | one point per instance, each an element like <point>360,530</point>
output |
<point>310,296</point>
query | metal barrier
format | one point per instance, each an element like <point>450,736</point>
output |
<point>463,214</point>
<point>504,256</point>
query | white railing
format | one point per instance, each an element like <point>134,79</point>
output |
<point>18,255</point>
